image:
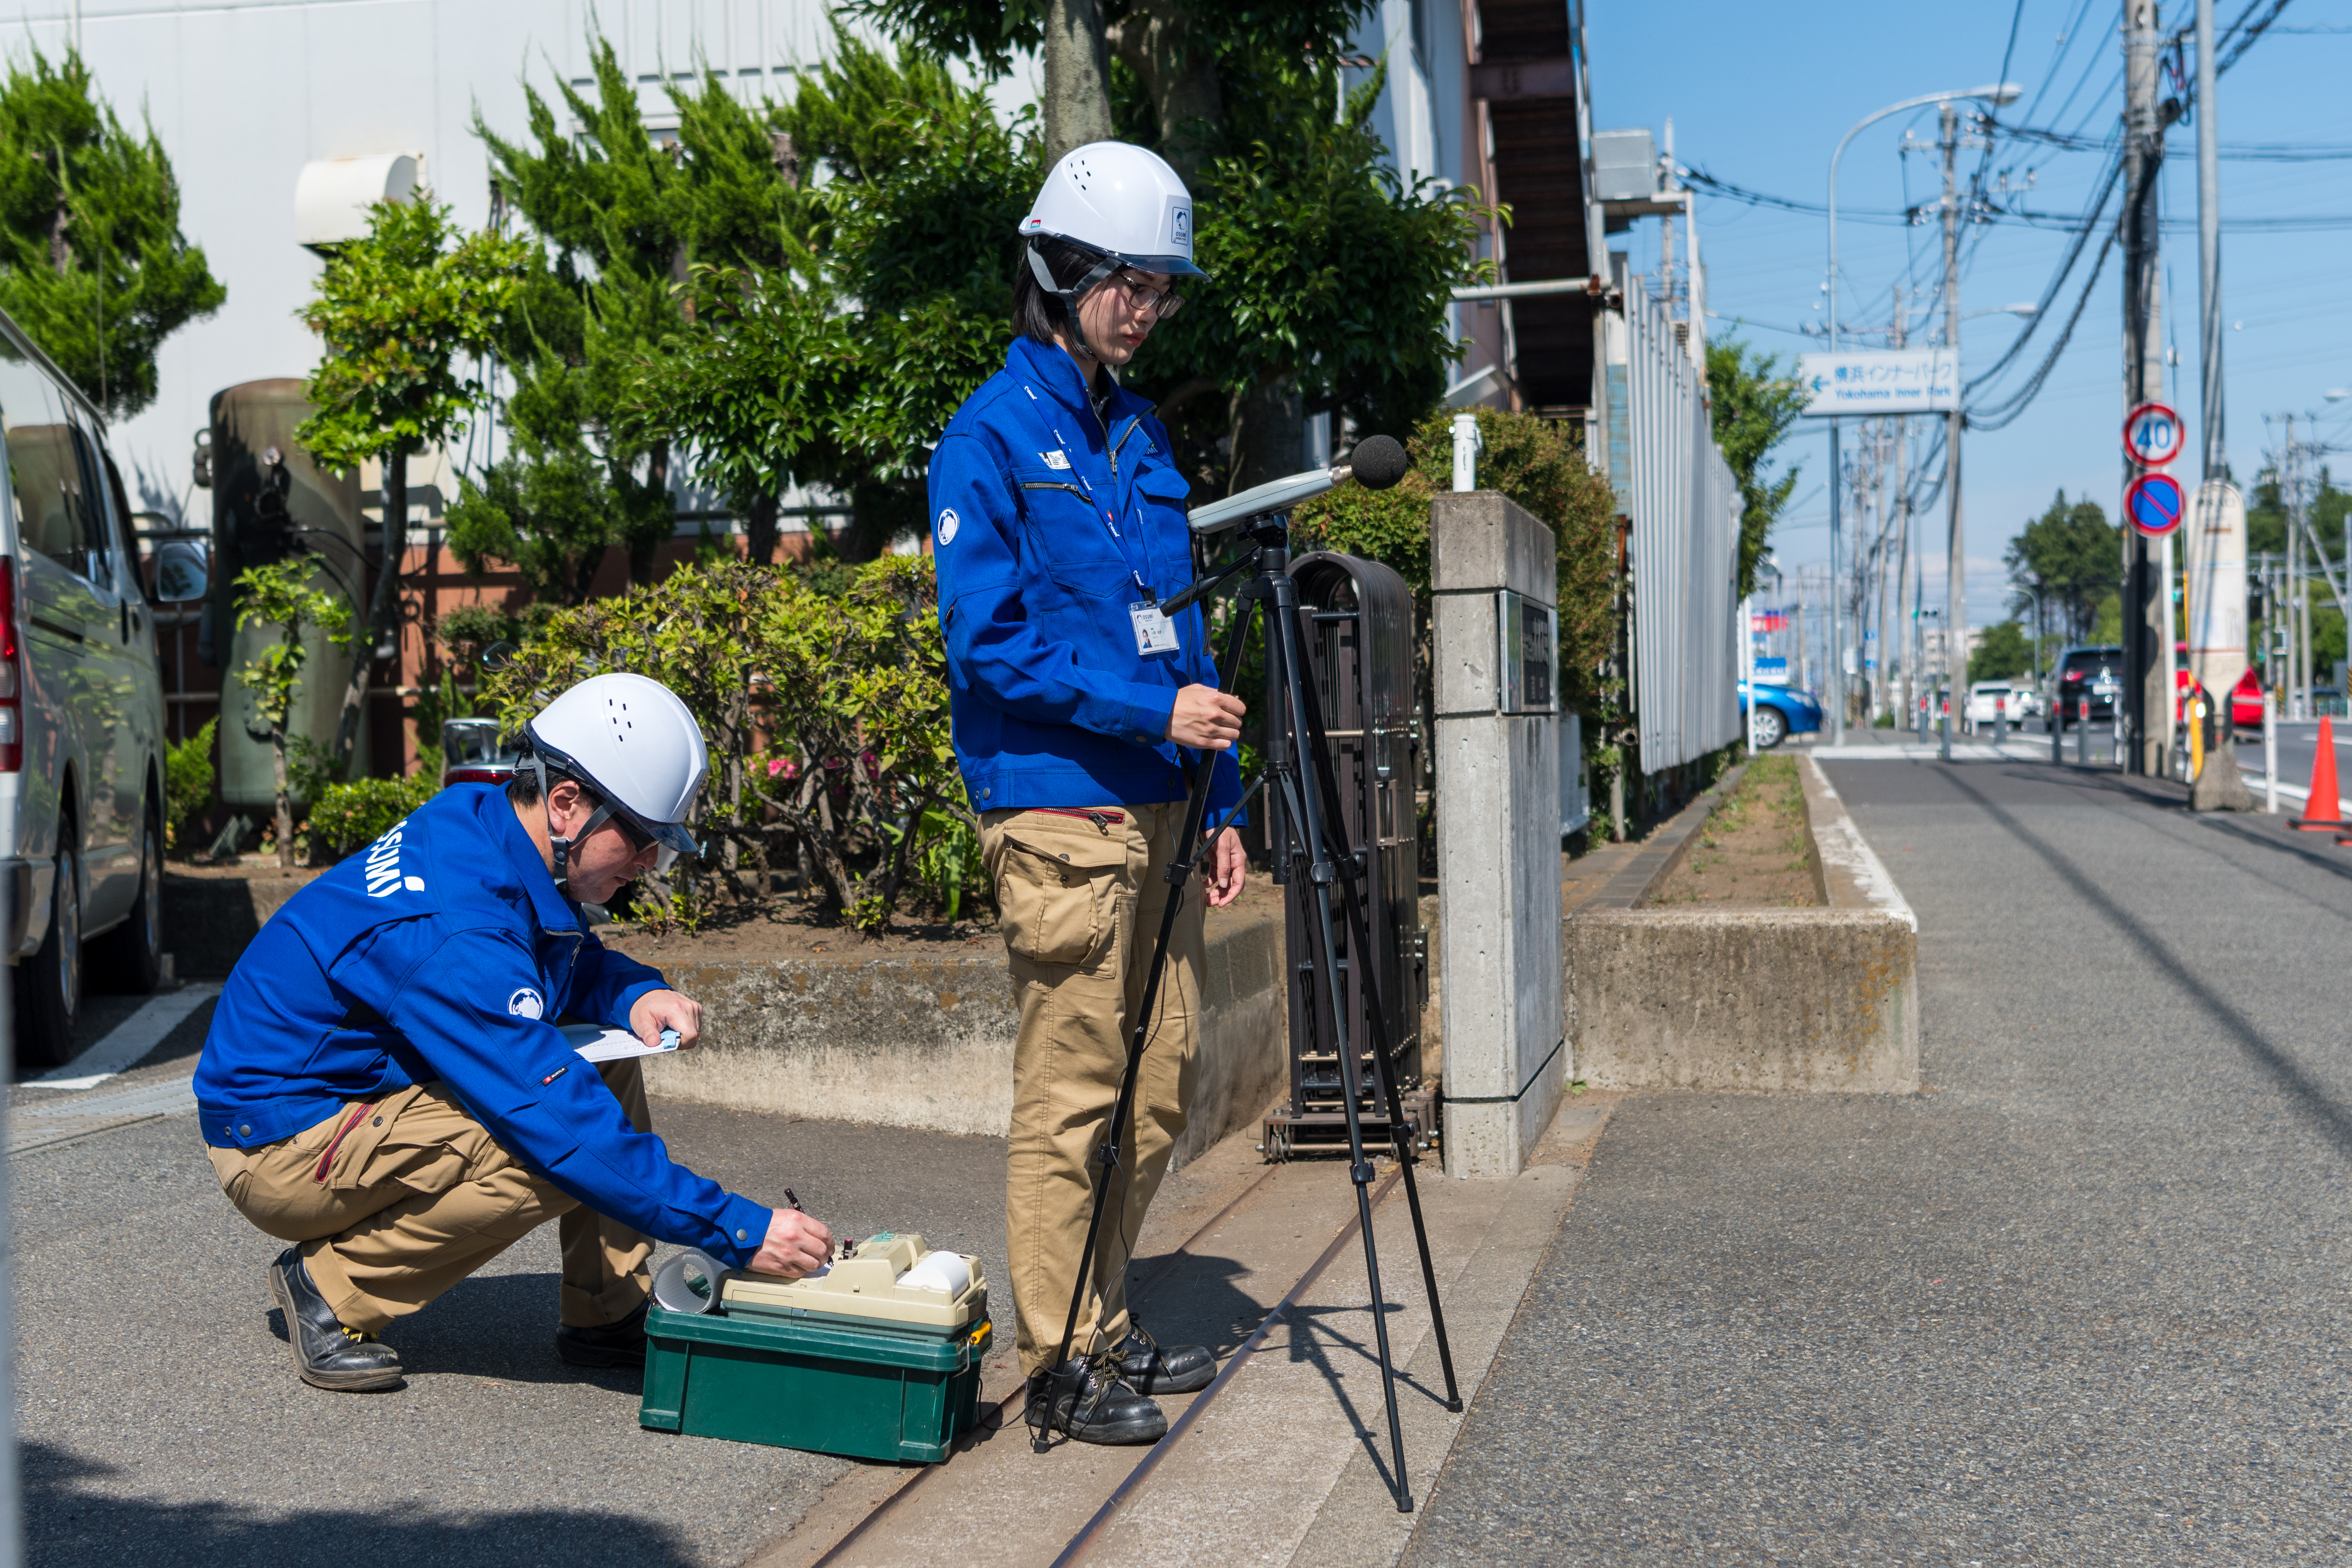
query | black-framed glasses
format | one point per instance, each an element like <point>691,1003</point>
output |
<point>1141,296</point>
<point>639,839</point>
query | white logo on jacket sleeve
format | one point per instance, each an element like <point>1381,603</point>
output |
<point>948,524</point>
<point>382,868</point>
<point>527,1004</point>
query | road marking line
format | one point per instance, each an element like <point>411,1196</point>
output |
<point>129,1040</point>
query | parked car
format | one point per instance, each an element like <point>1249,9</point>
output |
<point>1780,711</point>
<point>1989,701</point>
<point>2246,700</point>
<point>81,707</point>
<point>2081,672</point>
<point>471,753</point>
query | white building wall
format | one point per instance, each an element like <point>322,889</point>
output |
<point>241,93</point>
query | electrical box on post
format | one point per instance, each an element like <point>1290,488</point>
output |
<point>1356,629</point>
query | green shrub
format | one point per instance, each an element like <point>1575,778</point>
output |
<point>1532,462</point>
<point>188,782</point>
<point>348,817</point>
<point>825,714</point>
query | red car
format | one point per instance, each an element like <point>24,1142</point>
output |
<point>2245,698</point>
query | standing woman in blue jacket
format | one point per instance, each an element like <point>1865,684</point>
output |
<point>1058,524</point>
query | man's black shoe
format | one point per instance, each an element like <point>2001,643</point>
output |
<point>615,1344</point>
<point>326,1354</point>
<point>1154,1368</point>
<point>1104,1409</point>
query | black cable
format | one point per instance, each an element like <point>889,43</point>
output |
<point>2058,280</point>
<point>2004,413</point>
<point>2227,53</point>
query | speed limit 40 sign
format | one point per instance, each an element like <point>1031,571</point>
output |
<point>2152,435</point>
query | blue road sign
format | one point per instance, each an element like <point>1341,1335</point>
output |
<point>2155,504</point>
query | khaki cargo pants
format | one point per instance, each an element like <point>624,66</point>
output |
<point>395,1200</point>
<point>1080,904</point>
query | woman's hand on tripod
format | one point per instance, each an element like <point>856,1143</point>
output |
<point>1227,869</point>
<point>1205,718</point>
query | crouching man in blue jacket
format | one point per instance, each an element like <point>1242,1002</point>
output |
<point>384,1085</point>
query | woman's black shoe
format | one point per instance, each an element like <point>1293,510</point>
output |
<point>1104,1409</point>
<point>1155,1368</point>
<point>326,1354</point>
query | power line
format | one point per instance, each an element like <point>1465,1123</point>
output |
<point>2005,413</point>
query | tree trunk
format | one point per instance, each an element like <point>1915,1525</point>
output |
<point>646,542</point>
<point>285,803</point>
<point>1179,72</point>
<point>1269,436</point>
<point>760,529</point>
<point>381,605</point>
<point>1078,77</point>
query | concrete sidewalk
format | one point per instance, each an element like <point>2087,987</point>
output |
<point>2083,1301</point>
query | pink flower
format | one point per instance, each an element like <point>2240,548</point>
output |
<point>783,766</point>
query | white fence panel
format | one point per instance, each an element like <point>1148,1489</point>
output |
<point>1684,550</point>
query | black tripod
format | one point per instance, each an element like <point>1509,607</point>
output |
<point>1303,795</point>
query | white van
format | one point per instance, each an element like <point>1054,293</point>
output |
<point>81,708</point>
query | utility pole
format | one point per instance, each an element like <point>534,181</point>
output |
<point>2147,590</point>
<point>1892,619</point>
<point>2217,576</point>
<point>1956,634</point>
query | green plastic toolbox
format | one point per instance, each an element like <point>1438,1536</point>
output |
<point>853,1362</point>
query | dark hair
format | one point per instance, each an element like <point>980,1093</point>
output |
<point>1036,313</point>
<point>523,788</point>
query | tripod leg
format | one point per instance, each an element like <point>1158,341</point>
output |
<point>1383,1057</point>
<point>1311,843</point>
<point>1047,1387</point>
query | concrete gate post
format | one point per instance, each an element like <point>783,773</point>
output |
<point>1495,625</point>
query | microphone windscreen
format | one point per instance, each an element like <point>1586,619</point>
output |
<point>1377,463</point>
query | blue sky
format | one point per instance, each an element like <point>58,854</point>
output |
<point>1760,94</point>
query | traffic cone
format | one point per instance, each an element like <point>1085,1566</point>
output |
<point>2323,812</point>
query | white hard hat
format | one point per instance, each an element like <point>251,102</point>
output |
<point>635,743</point>
<point>1122,201</point>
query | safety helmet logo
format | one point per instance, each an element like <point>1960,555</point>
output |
<point>527,1004</point>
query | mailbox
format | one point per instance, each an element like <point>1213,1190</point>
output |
<point>1356,624</point>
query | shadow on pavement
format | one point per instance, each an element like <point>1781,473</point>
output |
<point>2333,1119</point>
<point>66,1521</point>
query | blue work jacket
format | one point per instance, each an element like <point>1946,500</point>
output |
<point>1049,525</point>
<point>444,952</point>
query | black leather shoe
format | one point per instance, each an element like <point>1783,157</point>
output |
<point>1154,1368</point>
<point>326,1354</point>
<point>615,1344</point>
<point>1105,1410</point>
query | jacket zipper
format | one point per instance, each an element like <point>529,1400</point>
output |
<point>1101,819</point>
<point>1056,484</point>
<point>1115,445</point>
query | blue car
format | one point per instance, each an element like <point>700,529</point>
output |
<point>1780,711</point>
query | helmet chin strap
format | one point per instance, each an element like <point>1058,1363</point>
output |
<point>1071,296</point>
<point>562,847</point>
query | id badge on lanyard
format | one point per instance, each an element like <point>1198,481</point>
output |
<point>1154,632</point>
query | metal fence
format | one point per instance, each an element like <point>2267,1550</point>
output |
<point>1684,549</point>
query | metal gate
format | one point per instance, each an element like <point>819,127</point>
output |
<point>1356,624</point>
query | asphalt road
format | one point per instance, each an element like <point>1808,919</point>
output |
<point>2083,1301</point>
<point>161,1422</point>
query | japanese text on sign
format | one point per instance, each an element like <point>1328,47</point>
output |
<point>1888,381</point>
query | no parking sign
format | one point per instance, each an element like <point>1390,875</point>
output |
<point>2155,504</point>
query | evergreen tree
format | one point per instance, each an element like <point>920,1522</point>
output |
<point>2073,555</point>
<point>92,261</point>
<point>1753,406</point>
